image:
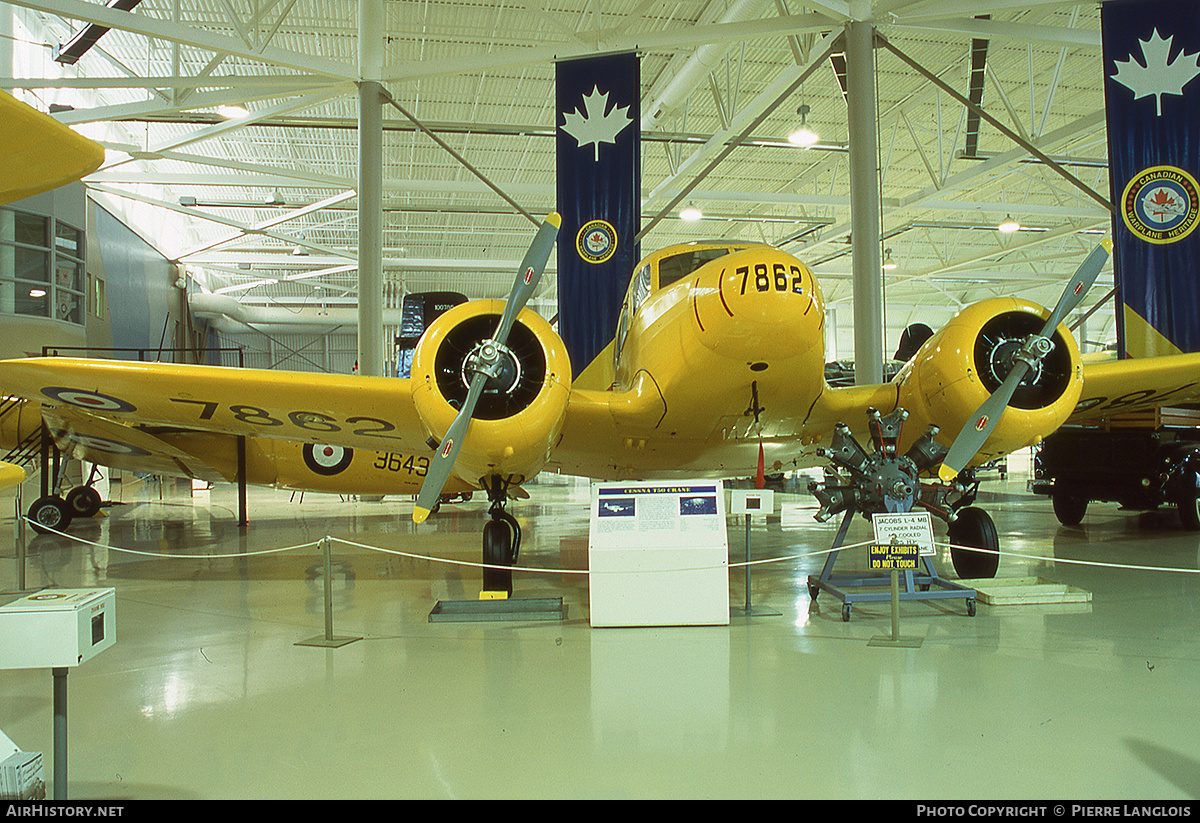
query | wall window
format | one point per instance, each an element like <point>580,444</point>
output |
<point>41,267</point>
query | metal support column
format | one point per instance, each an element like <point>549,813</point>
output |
<point>60,732</point>
<point>370,188</point>
<point>867,267</point>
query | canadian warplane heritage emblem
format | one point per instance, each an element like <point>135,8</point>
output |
<point>1161,204</point>
<point>596,241</point>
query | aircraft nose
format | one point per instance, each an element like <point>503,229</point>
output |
<point>758,305</point>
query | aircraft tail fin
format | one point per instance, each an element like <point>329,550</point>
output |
<point>599,374</point>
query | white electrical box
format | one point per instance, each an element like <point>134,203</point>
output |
<point>751,501</point>
<point>56,628</point>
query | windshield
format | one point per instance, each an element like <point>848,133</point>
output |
<point>671,269</point>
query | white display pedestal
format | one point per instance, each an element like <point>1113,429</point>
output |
<point>658,554</point>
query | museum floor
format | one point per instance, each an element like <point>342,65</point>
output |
<point>206,694</point>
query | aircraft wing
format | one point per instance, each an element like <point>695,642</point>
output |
<point>1122,386</point>
<point>86,437</point>
<point>631,434</point>
<point>38,153</point>
<point>369,413</point>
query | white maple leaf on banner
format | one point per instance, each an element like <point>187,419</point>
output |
<point>1160,75</point>
<point>597,125</point>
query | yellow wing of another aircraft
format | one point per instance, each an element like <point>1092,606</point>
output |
<point>37,153</point>
<point>1121,386</point>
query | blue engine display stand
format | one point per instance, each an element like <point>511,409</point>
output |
<point>915,586</point>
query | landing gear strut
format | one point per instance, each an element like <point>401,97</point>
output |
<point>501,543</point>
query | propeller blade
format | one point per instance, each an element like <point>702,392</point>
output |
<point>1078,285</point>
<point>976,432</point>
<point>443,461</point>
<point>530,272</point>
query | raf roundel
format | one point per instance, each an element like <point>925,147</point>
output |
<point>90,400</point>
<point>1161,204</point>
<point>327,460</point>
<point>596,241</point>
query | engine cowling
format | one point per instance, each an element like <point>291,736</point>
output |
<point>521,411</point>
<point>964,362</point>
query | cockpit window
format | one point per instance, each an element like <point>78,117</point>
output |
<point>676,267</point>
<point>641,286</point>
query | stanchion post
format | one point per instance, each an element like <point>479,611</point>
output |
<point>328,640</point>
<point>20,534</point>
<point>328,575</point>
<point>747,564</point>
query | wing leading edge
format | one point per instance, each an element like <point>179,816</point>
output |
<point>349,411</point>
<point>1137,384</point>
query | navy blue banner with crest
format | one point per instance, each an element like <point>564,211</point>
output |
<point>599,197</point>
<point>1152,94</point>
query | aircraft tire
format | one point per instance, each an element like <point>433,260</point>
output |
<point>1189,509</point>
<point>974,528</point>
<point>498,551</point>
<point>83,501</point>
<point>1068,508</point>
<point>50,514</point>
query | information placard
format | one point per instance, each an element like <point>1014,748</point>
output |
<point>658,554</point>
<point>905,528</point>
<point>888,556</point>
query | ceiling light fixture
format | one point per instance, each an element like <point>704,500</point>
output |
<point>232,112</point>
<point>803,136</point>
<point>1009,225</point>
<point>690,213</point>
<point>888,262</point>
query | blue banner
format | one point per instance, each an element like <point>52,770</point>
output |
<point>599,197</point>
<point>1151,62</point>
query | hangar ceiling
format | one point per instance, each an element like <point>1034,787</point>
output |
<point>262,206</point>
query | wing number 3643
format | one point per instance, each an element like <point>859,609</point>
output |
<point>778,278</point>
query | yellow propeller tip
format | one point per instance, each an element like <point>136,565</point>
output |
<point>1108,244</point>
<point>554,219</point>
<point>946,473</point>
<point>420,514</point>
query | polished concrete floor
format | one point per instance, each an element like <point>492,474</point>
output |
<point>207,695</point>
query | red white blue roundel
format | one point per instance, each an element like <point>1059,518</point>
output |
<point>1161,204</point>
<point>103,444</point>
<point>327,460</point>
<point>90,400</point>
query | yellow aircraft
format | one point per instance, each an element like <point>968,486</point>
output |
<point>40,153</point>
<point>718,357</point>
<point>717,367</point>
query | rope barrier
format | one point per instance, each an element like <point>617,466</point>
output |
<point>540,570</point>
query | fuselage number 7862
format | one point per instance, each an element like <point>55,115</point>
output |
<point>778,279</point>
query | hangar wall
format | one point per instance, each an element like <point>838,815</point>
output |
<point>122,294</point>
<point>144,308</point>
